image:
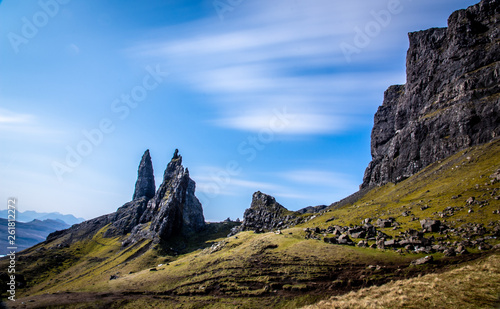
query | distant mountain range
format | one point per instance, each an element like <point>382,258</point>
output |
<point>31,215</point>
<point>33,227</point>
<point>30,234</point>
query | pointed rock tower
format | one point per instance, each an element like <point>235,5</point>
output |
<point>174,210</point>
<point>128,216</point>
<point>145,184</point>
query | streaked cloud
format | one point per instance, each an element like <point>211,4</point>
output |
<point>298,124</point>
<point>284,54</point>
<point>27,127</point>
<point>10,117</point>
<point>209,186</point>
<point>321,178</point>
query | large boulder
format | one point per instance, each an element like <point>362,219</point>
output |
<point>429,225</point>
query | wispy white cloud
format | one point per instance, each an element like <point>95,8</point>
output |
<point>297,124</point>
<point>321,178</point>
<point>22,126</point>
<point>271,52</point>
<point>10,117</point>
<point>214,184</point>
<point>290,195</point>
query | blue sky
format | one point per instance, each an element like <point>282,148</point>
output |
<point>276,96</point>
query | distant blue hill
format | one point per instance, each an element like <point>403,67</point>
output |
<point>31,215</point>
<point>29,234</point>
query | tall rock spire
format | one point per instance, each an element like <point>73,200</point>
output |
<point>175,209</point>
<point>145,185</point>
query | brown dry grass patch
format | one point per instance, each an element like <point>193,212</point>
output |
<point>476,285</point>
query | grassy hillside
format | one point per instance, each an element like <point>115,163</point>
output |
<point>439,192</point>
<point>281,270</point>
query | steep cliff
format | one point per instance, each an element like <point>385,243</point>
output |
<point>450,100</point>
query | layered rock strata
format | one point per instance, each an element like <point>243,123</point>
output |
<point>450,101</point>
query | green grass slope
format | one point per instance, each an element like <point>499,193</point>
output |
<point>428,194</point>
<point>271,270</point>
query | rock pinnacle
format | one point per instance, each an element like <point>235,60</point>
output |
<point>145,185</point>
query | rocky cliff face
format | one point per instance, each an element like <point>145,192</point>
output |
<point>173,210</point>
<point>450,101</point>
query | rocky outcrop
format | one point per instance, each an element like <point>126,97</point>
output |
<point>173,210</point>
<point>145,185</point>
<point>128,216</point>
<point>450,101</point>
<point>311,209</point>
<point>265,214</point>
<point>78,232</point>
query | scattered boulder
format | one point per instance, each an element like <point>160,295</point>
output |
<point>425,260</point>
<point>331,219</point>
<point>366,221</point>
<point>461,249</point>
<point>429,225</point>
<point>358,232</point>
<point>391,243</point>
<point>330,240</point>
<point>362,244</point>
<point>382,223</point>
<point>344,240</point>
<point>449,252</point>
<point>495,177</point>
<point>380,243</point>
